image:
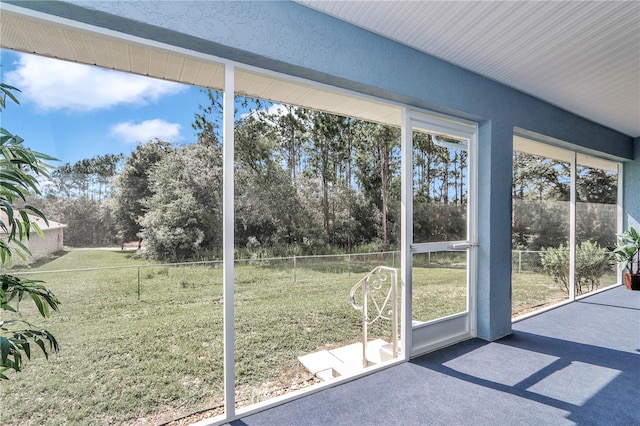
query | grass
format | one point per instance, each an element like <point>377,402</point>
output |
<point>148,361</point>
<point>532,291</point>
<point>121,359</point>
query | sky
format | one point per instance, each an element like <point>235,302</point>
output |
<point>72,111</point>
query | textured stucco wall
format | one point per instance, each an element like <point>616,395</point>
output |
<point>295,40</point>
<point>51,243</point>
<point>632,189</point>
<point>39,247</point>
<point>495,154</point>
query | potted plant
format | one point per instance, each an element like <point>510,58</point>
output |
<point>627,252</point>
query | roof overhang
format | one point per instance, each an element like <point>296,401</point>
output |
<point>30,31</point>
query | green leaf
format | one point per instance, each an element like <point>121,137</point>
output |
<point>6,90</point>
<point>5,350</point>
<point>36,228</point>
<point>40,343</point>
<point>19,171</point>
<point>42,307</point>
<point>37,212</point>
<point>27,349</point>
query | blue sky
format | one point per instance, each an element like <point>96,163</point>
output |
<point>72,111</point>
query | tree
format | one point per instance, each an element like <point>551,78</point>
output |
<point>132,186</point>
<point>290,132</point>
<point>268,206</point>
<point>209,120</point>
<point>311,179</point>
<point>597,191</point>
<point>540,196</point>
<point>183,213</point>
<point>90,178</point>
<point>20,168</point>
<point>90,223</point>
<point>323,144</point>
<point>378,162</point>
<point>79,195</point>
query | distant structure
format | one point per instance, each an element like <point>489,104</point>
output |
<point>52,242</point>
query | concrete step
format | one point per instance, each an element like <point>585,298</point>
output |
<point>327,364</point>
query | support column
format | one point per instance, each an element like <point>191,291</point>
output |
<point>228,239</point>
<point>495,159</point>
<point>631,190</point>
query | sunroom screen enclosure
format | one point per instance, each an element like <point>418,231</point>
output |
<point>122,36</point>
<point>450,141</point>
<point>566,209</point>
<point>187,67</point>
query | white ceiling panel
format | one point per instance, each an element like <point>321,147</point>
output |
<point>31,35</point>
<point>583,56</point>
<point>314,96</point>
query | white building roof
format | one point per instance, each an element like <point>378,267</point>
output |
<point>35,219</point>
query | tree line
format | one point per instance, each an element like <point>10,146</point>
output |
<point>306,182</point>
<point>541,194</point>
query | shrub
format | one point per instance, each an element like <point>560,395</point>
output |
<point>592,262</point>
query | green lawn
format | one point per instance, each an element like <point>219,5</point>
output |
<point>532,291</point>
<point>152,360</point>
<point>123,360</point>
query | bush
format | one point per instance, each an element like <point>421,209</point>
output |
<point>592,262</point>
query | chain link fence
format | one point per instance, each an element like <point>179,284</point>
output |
<point>531,261</point>
<point>526,261</point>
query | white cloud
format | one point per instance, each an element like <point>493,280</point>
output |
<point>273,109</point>
<point>146,130</point>
<point>58,85</point>
<point>277,109</point>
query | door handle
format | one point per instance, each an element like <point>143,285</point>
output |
<point>462,246</point>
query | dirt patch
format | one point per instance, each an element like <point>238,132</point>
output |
<point>535,308</point>
<point>290,380</point>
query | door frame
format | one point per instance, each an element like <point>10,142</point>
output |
<point>431,335</point>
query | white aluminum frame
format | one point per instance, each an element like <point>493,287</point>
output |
<point>572,228</point>
<point>573,200</point>
<point>462,325</point>
<point>228,235</point>
<point>620,213</point>
<point>406,232</point>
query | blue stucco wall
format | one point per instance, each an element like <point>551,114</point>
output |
<point>493,294</point>
<point>295,40</point>
<point>631,195</point>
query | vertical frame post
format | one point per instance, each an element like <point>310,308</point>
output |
<point>394,319</point>
<point>406,231</point>
<point>365,319</point>
<point>572,228</point>
<point>472,231</point>
<point>620,215</point>
<point>228,239</point>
